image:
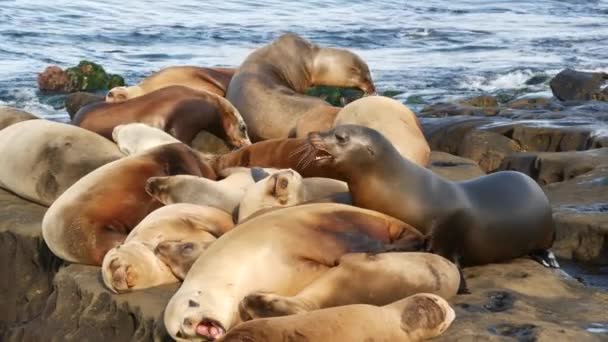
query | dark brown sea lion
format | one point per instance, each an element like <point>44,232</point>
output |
<point>214,80</point>
<point>489,219</point>
<point>415,318</point>
<point>180,111</point>
<point>99,210</point>
<point>268,89</point>
<point>280,252</point>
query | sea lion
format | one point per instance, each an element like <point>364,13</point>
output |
<point>214,80</point>
<point>41,159</point>
<point>286,188</point>
<point>133,264</point>
<point>11,115</point>
<point>138,137</point>
<point>373,279</point>
<point>280,252</point>
<point>179,255</point>
<point>99,210</point>
<point>180,111</point>
<point>225,194</point>
<point>488,219</point>
<point>268,89</point>
<point>394,120</point>
<point>415,318</point>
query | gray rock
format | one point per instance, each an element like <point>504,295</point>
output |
<point>577,85</point>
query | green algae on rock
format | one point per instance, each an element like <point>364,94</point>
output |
<point>86,76</point>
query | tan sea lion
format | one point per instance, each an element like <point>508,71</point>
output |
<point>268,89</point>
<point>280,252</point>
<point>214,80</point>
<point>415,318</point>
<point>286,188</point>
<point>41,159</point>
<point>488,219</point>
<point>133,264</point>
<point>373,279</point>
<point>180,111</point>
<point>391,118</point>
<point>225,194</point>
<point>99,210</point>
<point>11,115</point>
<point>138,137</point>
<point>179,255</point>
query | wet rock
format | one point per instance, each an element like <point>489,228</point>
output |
<point>454,109</point>
<point>537,79</point>
<point>524,301</point>
<point>481,101</point>
<point>453,167</point>
<point>552,167</point>
<point>86,76</point>
<point>577,85</point>
<point>534,103</point>
<point>75,101</point>
<point>11,115</point>
<point>488,149</point>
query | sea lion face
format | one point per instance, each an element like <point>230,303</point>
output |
<point>234,125</point>
<point>133,266</point>
<point>117,94</point>
<point>342,68</point>
<point>186,318</point>
<point>180,255</point>
<point>284,186</point>
<point>348,147</point>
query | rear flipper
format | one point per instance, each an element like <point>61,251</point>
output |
<point>545,257</point>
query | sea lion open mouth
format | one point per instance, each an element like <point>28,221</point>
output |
<point>210,329</point>
<point>321,151</point>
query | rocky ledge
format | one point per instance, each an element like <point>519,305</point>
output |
<point>44,299</point>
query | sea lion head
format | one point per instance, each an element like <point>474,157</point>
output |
<point>188,316</point>
<point>341,68</point>
<point>233,123</point>
<point>281,189</point>
<point>117,94</point>
<point>133,266</point>
<point>349,147</point>
<point>180,255</point>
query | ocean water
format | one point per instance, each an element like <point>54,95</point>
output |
<point>428,50</point>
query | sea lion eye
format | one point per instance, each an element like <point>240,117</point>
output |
<point>370,150</point>
<point>187,247</point>
<point>243,128</point>
<point>283,183</point>
<point>341,138</point>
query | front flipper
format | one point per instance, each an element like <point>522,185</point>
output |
<point>545,257</point>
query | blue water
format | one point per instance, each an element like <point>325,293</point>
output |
<point>428,50</point>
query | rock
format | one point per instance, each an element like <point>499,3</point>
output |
<point>533,136</point>
<point>481,101</point>
<point>537,79</point>
<point>533,103</point>
<point>40,301</point>
<point>453,109</point>
<point>209,143</point>
<point>453,167</point>
<point>524,301</point>
<point>10,115</point>
<point>552,167</point>
<point>488,149</point>
<point>86,76</point>
<point>336,96</point>
<point>447,134</point>
<point>580,210</point>
<point>75,101</point>
<point>577,85</point>
<point>81,309</point>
